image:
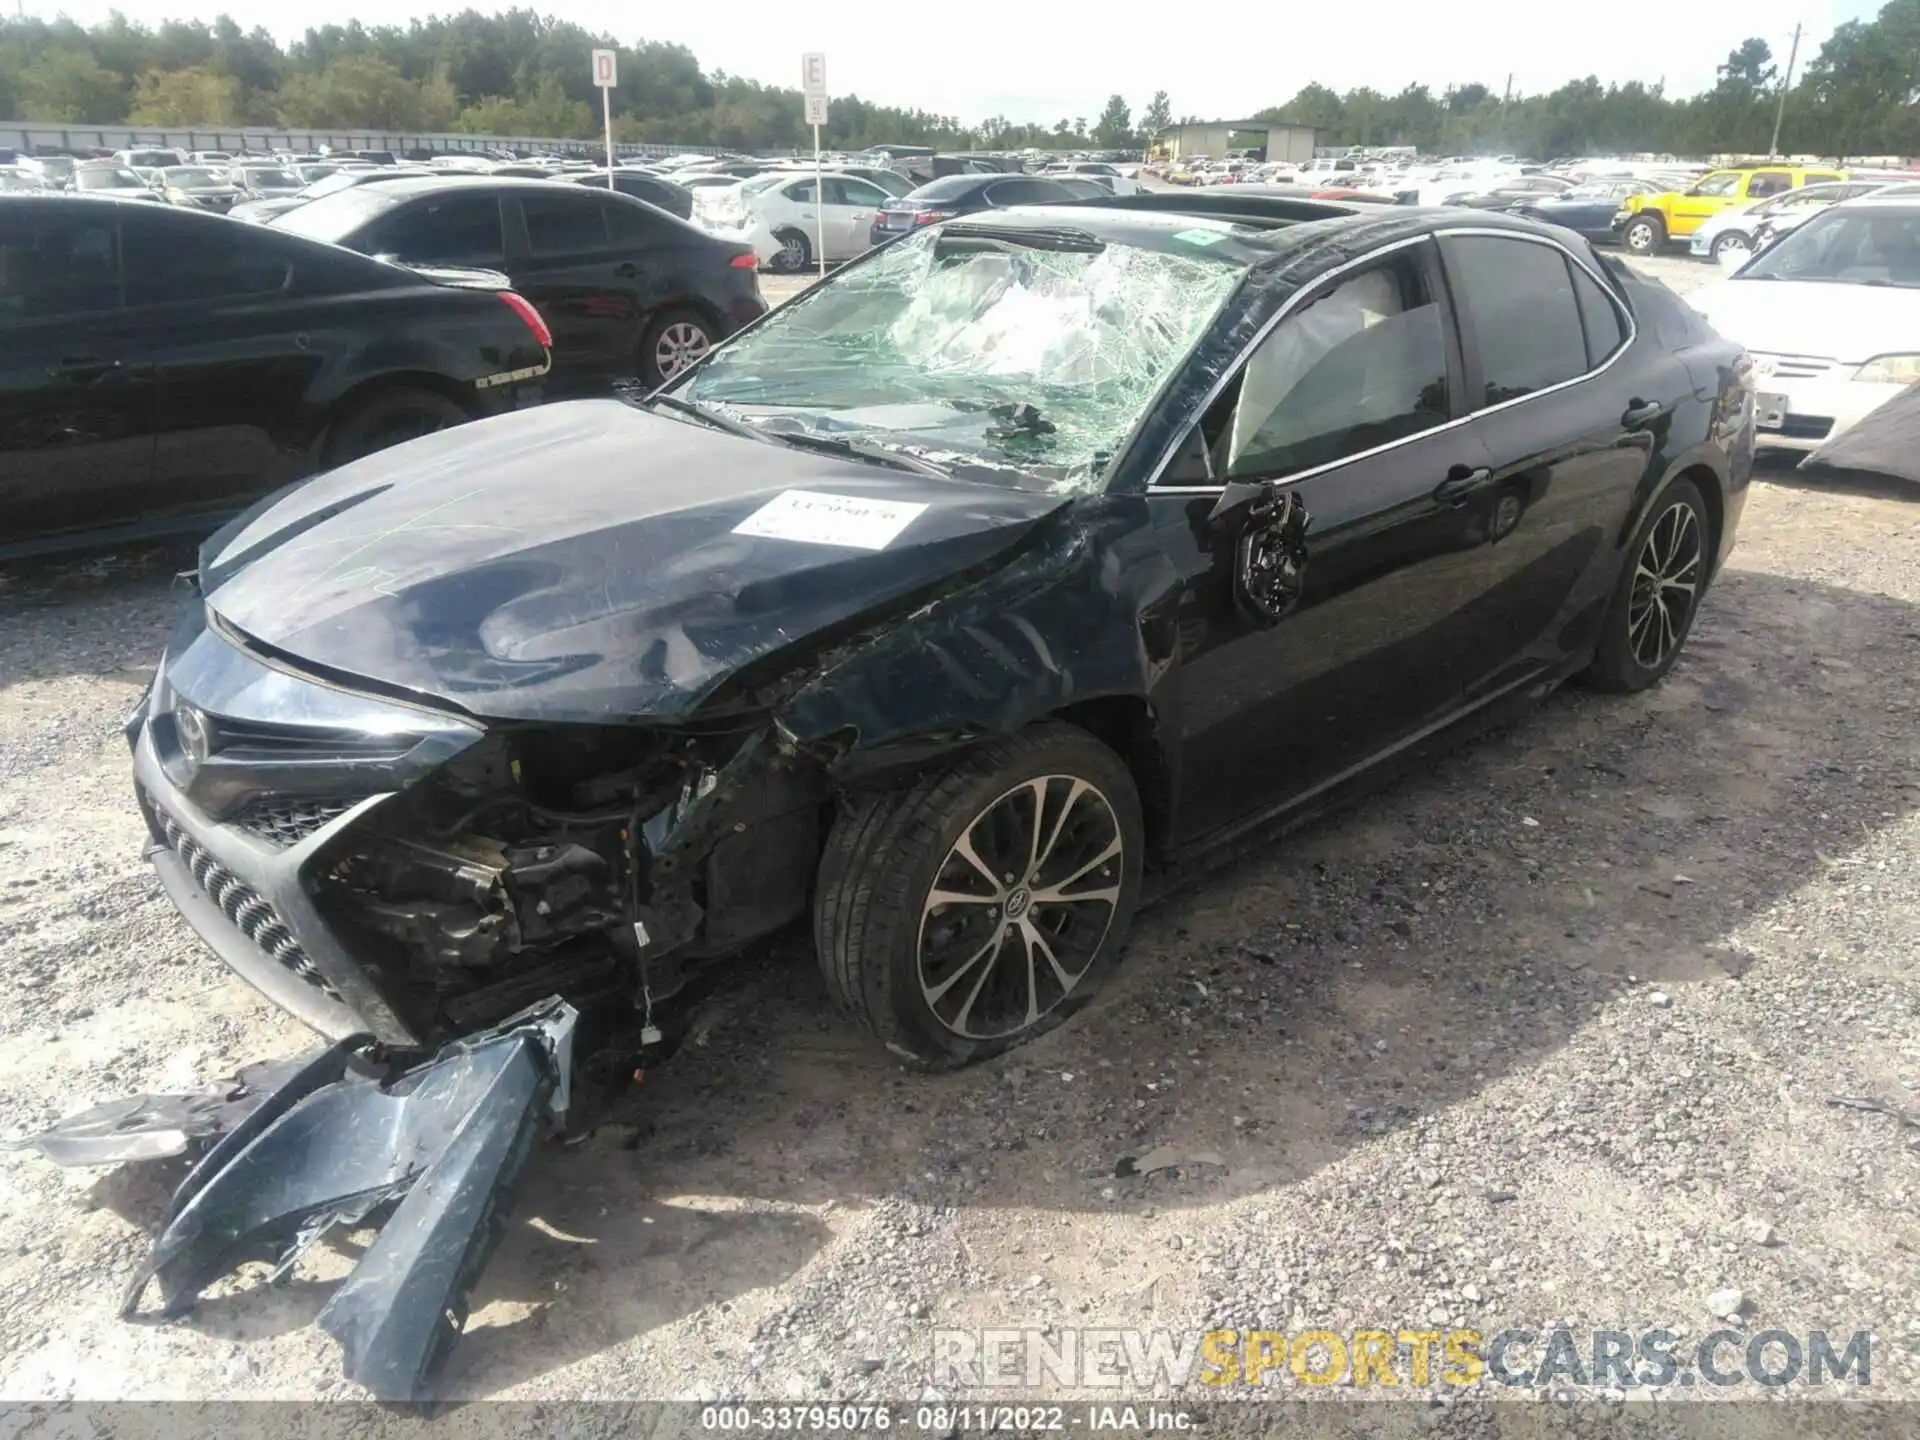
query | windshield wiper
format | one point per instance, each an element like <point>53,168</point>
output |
<point>700,412</point>
<point>1039,237</point>
<point>853,445</point>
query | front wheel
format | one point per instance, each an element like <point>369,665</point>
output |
<point>1731,243</point>
<point>1645,235</point>
<point>1657,596</point>
<point>979,906</point>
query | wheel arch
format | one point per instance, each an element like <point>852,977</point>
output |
<point>363,390</point>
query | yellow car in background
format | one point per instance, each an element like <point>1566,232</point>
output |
<point>1647,222</point>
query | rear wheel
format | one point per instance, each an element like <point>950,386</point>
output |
<point>1655,601</point>
<point>1645,234</point>
<point>674,341</point>
<point>389,417</point>
<point>979,906</point>
<point>795,252</point>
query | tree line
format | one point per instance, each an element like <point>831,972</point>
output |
<point>519,73</point>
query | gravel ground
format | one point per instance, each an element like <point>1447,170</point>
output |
<point>1546,1035</point>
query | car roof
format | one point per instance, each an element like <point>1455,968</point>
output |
<point>1882,201</point>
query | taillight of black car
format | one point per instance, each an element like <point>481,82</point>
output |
<point>523,307</point>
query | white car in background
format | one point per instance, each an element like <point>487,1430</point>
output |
<point>1106,176</point>
<point>1830,316</point>
<point>1732,231</point>
<point>776,214</point>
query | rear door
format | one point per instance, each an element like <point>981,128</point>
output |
<point>588,290</point>
<point>1570,416</point>
<point>76,386</point>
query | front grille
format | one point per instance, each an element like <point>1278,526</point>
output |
<point>251,915</point>
<point>1794,367</point>
<point>287,822</point>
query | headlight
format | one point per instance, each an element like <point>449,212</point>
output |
<point>1890,370</point>
<point>191,728</point>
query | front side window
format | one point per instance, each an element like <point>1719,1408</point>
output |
<point>449,230</point>
<point>1034,363</point>
<point>1361,366</point>
<point>1526,318</point>
<point>55,264</point>
<point>1725,183</point>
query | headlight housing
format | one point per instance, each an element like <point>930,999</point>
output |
<point>1897,369</point>
<point>195,736</point>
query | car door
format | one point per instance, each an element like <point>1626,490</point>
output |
<point>588,291</point>
<point>76,392</point>
<point>854,203</point>
<point>1570,421</point>
<point>1352,404</point>
<point>1709,197</point>
<point>236,346</point>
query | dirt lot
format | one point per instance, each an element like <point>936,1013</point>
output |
<point>1547,1034</point>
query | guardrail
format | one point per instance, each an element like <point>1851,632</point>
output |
<point>30,138</point>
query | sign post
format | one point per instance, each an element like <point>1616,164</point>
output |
<point>813,83</point>
<point>606,71</point>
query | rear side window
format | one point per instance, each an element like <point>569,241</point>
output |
<point>170,259</point>
<point>1768,182</point>
<point>563,224</point>
<point>443,230</point>
<point>1598,317</point>
<point>1024,192</point>
<point>1524,315</point>
<point>801,193</point>
<point>631,224</point>
<point>55,263</point>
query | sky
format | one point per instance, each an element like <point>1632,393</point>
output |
<point>1049,60</point>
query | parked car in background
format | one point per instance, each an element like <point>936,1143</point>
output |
<point>15,181</point>
<point>1646,223</point>
<point>55,171</point>
<point>148,163</point>
<point>108,179</point>
<point>673,198</point>
<point>340,180</point>
<point>263,181</point>
<point>1736,230</point>
<point>198,187</point>
<point>162,368</point>
<point>1587,209</point>
<point>953,607</point>
<point>1830,314</point>
<point>777,215</point>
<point>627,289</point>
<point>955,195</point>
<point>1107,175</point>
<point>1503,194</point>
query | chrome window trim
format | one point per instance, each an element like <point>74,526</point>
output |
<point>1227,376</point>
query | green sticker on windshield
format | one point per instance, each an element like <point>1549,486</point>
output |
<point>1201,237</point>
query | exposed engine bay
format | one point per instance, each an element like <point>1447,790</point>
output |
<point>597,863</point>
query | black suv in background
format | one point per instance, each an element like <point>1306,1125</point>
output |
<point>161,369</point>
<point>627,288</point>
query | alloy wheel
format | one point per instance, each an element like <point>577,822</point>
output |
<point>1020,906</point>
<point>1731,244</point>
<point>1666,579</point>
<point>681,344</point>
<point>793,254</point>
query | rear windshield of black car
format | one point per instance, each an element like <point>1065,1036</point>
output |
<point>342,213</point>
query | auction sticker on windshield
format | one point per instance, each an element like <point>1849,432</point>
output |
<point>811,518</point>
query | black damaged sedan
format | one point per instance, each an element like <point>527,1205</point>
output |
<point>951,607</point>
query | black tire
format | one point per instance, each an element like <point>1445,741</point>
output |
<point>1625,662</point>
<point>795,253</point>
<point>887,852</point>
<point>1732,239</point>
<point>674,331</point>
<point>389,417</point>
<point>1645,234</point>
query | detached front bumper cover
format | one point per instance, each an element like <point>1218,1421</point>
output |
<point>443,1143</point>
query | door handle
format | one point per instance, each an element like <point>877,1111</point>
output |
<point>1461,484</point>
<point>1641,412</point>
<point>82,368</point>
<point>627,270</point>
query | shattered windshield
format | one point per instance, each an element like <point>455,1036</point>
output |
<point>1027,356</point>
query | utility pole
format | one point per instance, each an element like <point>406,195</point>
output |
<point>1505,96</point>
<point>1780,110</point>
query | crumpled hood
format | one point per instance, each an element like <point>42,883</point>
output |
<point>1797,317</point>
<point>592,562</point>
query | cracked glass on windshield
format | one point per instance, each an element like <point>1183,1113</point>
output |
<point>1027,359</point>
